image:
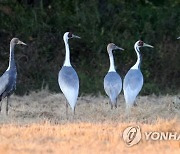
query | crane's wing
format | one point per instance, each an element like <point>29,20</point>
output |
<point>132,85</point>
<point>112,85</point>
<point>69,84</point>
<point>4,79</point>
<point>133,80</point>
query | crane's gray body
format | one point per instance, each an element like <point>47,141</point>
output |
<point>112,86</point>
<point>132,85</point>
<point>69,84</point>
<point>8,82</point>
<point>8,79</point>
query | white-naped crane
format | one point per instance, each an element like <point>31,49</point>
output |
<point>133,80</point>
<point>112,80</point>
<point>8,79</point>
<point>68,78</point>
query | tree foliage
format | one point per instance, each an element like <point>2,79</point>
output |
<point>41,24</point>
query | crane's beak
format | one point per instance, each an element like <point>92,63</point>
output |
<point>75,36</point>
<point>20,42</point>
<point>178,38</point>
<point>147,45</point>
<point>118,48</point>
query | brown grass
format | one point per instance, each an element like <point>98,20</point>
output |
<point>37,124</point>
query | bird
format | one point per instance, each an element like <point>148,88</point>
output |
<point>67,78</point>
<point>112,80</point>
<point>133,80</point>
<point>8,79</point>
<point>178,37</point>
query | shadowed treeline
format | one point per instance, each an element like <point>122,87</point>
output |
<point>41,24</point>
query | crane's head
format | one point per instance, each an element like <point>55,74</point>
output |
<point>112,46</point>
<point>17,41</point>
<point>140,43</point>
<point>69,35</point>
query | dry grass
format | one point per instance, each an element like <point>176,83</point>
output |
<point>37,124</point>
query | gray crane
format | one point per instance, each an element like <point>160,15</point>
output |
<point>68,78</point>
<point>112,80</point>
<point>178,38</point>
<point>8,79</point>
<point>133,80</point>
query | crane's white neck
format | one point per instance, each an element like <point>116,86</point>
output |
<point>111,59</point>
<point>67,57</point>
<point>11,57</point>
<point>138,62</point>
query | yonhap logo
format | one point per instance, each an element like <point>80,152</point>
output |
<point>162,136</point>
<point>132,135</point>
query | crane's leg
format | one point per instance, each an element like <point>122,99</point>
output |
<point>128,110</point>
<point>66,109</point>
<point>111,105</point>
<point>7,105</point>
<point>0,105</point>
<point>74,111</point>
<point>115,103</point>
<point>135,104</point>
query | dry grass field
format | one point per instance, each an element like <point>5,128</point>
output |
<point>37,123</point>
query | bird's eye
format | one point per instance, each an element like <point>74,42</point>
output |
<point>70,34</point>
<point>140,43</point>
<point>16,41</point>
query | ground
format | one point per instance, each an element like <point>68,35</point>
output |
<point>37,123</point>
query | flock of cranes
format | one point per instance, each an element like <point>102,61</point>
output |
<point>132,84</point>
<point>69,82</point>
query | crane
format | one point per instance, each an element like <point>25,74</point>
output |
<point>112,80</point>
<point>133,80</point>
<point>67,78</point>
<point>8,79</point>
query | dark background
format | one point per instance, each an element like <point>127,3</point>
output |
<point>42,23</point>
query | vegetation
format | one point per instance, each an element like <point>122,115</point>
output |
<point>83,138</point>
<point>41,24</point>
<point>37,123</point>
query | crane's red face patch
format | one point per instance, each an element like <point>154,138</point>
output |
<point>70,35</point>
<point>140,43</point>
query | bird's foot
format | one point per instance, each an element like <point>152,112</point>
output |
<point>115,105</point>
<point>135,104</point>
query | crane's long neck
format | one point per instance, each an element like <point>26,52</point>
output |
<point>67,57</point>
<point>11,57</point>
<point>111,59</point>
<point>138,62</point>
